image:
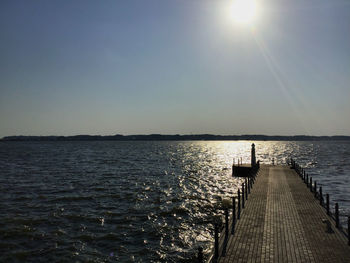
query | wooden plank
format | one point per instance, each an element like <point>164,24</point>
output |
<point>283,222</point>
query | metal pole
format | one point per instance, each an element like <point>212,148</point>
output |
<point>248,185</point>
<point>226,223</point>
<point>239,205</point>
<point>233,215</point>
<point>311,184</point>
<point>216,253</point>
<point>243,195</point>
<point>200,255</point>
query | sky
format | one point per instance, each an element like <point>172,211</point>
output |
<point>174,67</point>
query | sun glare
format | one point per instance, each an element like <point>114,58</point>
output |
<point>244,11</point>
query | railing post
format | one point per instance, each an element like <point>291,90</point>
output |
<point>327,203</point>
<point>233,215</point>
<point>307,180</point>
<point>321,196</point>
<point>246,190</point>
<point>311,184</point>
<point>337,215</point>
<point>200,255</point>
<point>243,195</point>
<point>239,205</point>
<point>248,185</point>
<point>315,189</point>
<point>226,223</point>
<point>216,253</point>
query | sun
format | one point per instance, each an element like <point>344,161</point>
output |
<point>244,11</point>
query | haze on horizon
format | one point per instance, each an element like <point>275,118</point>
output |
<point>174,67</point>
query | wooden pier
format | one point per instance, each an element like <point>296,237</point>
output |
<point>284,220</point>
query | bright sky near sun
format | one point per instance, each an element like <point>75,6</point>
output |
<point>184,66</point>
<point>244,11</point>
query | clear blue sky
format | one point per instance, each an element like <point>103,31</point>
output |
<point>173,66</point>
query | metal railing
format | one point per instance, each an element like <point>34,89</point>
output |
<point>221,239</point>
<point>221,235</point>
<point>318,193</point>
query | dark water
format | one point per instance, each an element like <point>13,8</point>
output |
<point>134,201</point>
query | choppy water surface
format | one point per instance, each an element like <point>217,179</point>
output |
<point>134,201</point>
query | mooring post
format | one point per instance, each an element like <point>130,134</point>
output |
<point>321,196</point>
<point>226,223</point>
<point>216,236</point>
<point>311,184</point>
<point>243,196</point>
<point>327,203</point>
<point>307,180</point>
<point>239,205</point>
<point>315,189</point>
<point>337,215</point>
<point>200,255</point>
<point>233,215</point>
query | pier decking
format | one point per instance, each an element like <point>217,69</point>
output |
<point>283,222</point>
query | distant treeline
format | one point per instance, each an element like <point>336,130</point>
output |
<point>176,137</point>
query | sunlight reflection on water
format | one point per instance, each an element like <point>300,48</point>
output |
<point>135,201</point>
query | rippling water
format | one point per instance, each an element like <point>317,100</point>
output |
<point>134,201</point>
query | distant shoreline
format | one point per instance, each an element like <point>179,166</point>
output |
<point>177,137</point>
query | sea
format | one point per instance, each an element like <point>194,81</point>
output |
<point>136,201</point>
